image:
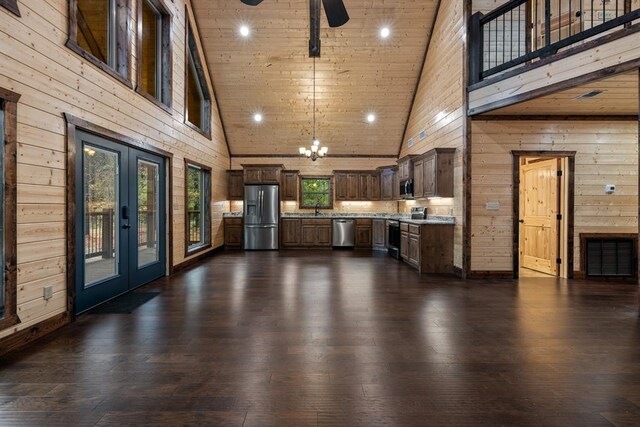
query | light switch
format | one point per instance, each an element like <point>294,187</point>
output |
<point>493,206</point>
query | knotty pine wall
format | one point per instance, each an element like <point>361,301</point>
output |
<point>607,153</point>
<point>54,80</point>
<point>438,107</point>
<point>325,167</point>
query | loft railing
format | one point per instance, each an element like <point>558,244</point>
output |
<point>524,31</point>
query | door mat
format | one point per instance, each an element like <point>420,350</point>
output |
<point>124,304</point>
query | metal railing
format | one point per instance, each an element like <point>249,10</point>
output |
<point>523,31</point>
<point>100,237</point>
<point>194,227</point>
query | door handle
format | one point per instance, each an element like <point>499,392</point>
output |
<point>521,221</point>
<point>126,226</point>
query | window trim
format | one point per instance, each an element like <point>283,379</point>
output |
<point>122,70</point>
<point>11,6</point>
<point>191,48</point>
<point>9,104</point>
<point>301,190</point>
<point>207,244</point>
<point>166,55</point>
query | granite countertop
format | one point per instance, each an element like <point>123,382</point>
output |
<point>445,220</point>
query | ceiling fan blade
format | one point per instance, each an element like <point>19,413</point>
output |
<point>251,2</point>
<point>336,12</point>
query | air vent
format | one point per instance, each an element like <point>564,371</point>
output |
<point>591,94</point>
<point>422,135</point>
<point>610,257</point>
<point>410,143</point>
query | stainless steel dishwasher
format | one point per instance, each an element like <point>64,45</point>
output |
<point>344,233</point>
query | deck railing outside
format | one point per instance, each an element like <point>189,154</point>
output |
<point>523,31</point>
<point>195,234</point>
<point>100,237</point>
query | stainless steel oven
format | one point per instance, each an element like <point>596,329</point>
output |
<point>394,239</point>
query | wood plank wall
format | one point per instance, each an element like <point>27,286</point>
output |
<point>607,153</point>
<point>324,167</point>
<point>54,80</point>
<point>438,107</point>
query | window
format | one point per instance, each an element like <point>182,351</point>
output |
<point>98,30</point>
<point>8,140</point>
<point>11,5</point>
<point>198,207</point>
<point>154,51</point>
<point>316,191</point>
<point>198,102</point>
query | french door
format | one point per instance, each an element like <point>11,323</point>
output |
<point>121,219</point>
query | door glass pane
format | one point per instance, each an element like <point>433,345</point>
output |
<point>100,214</point>
<point>194,207</point>
<point>148,213</point>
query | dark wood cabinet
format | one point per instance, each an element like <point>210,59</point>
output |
<point>364,233</point>
<point>418,178</point>
<point>353,181</point>
<point>404,245</point>
<point>308,233</point>
<point>289,186</point>
<point>374,187</point>
<point>414,249</point>
<point>291,232</point>
<point>428,247</point>
<point>386,184</point>
<point>324,235</point>
<point>379,234</point>
<point>262,174</point>
<point>340,180</point>
<point>355,186</point>
<point>433,174</point>
<point>405,168</point>
<point>396,184</point>
<point>235,189</point>
<point>233,232</point>
<point>429,171</point>
<point>316,232</point>
<point>364,183</point>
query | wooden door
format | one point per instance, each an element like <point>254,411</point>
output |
<point>396,185</point>
<point>363,233</point>
<point>291,232</point>
<point>374,187</point>
<point>289,191</point>
<point>341,186</point>
<point>429,180</point>
<point>418,181</point>
<point>404,245</point>
<point>414,249</point>
<point>308,234</point>
<point>539,208</point>
<point>379,229</point>
<point>323,235</point>
<point>386,185</point>
<point>363,187</point>
<point>352,186</point>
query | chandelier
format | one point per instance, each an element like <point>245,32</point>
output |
<point>316,151</point>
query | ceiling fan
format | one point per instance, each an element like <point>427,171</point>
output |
<point>336,15</point>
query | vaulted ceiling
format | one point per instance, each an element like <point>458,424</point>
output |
<point>270,72</point>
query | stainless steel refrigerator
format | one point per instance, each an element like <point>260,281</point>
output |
<point>261,217</point>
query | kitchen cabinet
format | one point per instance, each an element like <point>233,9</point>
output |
<point>418,178</point>
<point>262,174</point>
<point>340,183</point>
<point>353,181</point>
<point>436,173</point>
<point>404,245</point>
<point>364,233</point>
<point>364,186</point>
<point>353,186</point>
<point>396,184</point>
<point>289,186</point>
<point>291,229</point>
<point>428,248</point>
<point>235,188</point>
<point>405,168</point>
<point>316,232</point>
<point>386,184</point>
<point>379,234</point>
<point>233,232</point>
<point>374,187</point>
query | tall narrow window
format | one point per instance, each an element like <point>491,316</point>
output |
<point>198,207</point>
<point>198,99</point>
<point>154,51</point>
<point>8,143</point>
<point>99,31</point>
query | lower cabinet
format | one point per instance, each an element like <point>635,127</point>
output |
<point>379,234</point>
<point>414,249</point>
<point>364,233</point>
<point>291,232</point>
<point>429,247</point>
<point>311,233</point>
<point>233,232</point>
<point>404,245</point>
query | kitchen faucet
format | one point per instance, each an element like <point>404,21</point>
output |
<point>317,209</point>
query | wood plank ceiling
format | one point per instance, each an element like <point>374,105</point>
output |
<point>359,73</point>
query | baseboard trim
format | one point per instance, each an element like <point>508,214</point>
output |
<point>195,260</point>
<point>490,275</point>
<point>458,272</point>
<point>37,331</point>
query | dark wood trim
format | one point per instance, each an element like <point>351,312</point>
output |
<point>39,330</point>
<point>564,118</point>
<point>331,190</point>
<point>10,126</point>
<point>73,124</point>
<point>583,253</point>
<point>467,139</point>
<point>295,156</point>
<point>191,44</point>
<point>415,90</point>
<point>189,253</point>
<point>195,260</point>
<point>639,151</point>
<point>553,58</point>
<point>122,71</point>
<point>489,275</point>
<point>166,97</point>
<point>558,87</point>
<point>571,156</point>
<point>11,6</point>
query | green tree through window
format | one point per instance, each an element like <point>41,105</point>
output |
<point>316,192</point>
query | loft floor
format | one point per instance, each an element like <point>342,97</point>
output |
<point>337,338</point>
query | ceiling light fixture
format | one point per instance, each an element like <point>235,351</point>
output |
<point>371,118</point>
<point>257,117</point>
<point>315,152</point>
<point>245,31</point>
<point>385,32</point>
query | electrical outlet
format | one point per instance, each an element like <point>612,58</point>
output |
<point>609,188</point>
<point>48,293</point>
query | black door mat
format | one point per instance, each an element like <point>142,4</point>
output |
<point>124,304</point>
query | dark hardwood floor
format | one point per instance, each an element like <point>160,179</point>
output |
<point>337,338</point>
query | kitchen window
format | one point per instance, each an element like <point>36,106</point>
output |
<point>316,192</point>
<point>198,207</point>
<point>154,51</point>
<point>99,32</point>
<point>198,99</point>
<point>8,222</point>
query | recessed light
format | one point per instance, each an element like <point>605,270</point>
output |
<point>385,32</point>
<point>257,117</point>
<point>371,118</point>
<point>245,31</point>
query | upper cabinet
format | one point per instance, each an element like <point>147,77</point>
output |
<point>235,184</point>
<point>386,183</point>
<point>351,186</point>
<point>262,174</point>
<point>289,186</point>
<point>405,168</point>
<point>433,173</point>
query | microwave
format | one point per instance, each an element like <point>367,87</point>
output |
<point>406,189</point>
